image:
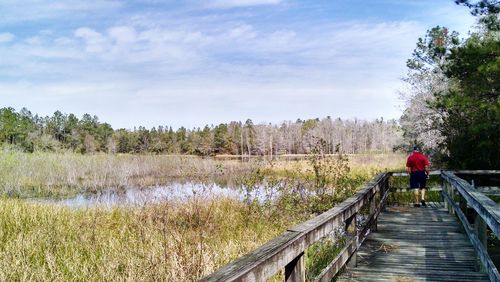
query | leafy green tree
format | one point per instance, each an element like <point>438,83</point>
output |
<point>221,142</point>
<point>104,132</point>
<point>250,136</point>
<point>471,107</point>
<point>487,10</point>
<point>71,133</point>
<point>55,126</point>
<point>9,130</point>
<point>26,125</point>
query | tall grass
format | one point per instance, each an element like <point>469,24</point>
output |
<point>167,241</point>
<point>56,175</point>
<point>172,241</point>
<point>64,174</point>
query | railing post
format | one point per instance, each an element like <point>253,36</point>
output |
<point>383,189</point>
<point>450,192</point>
<point>352,231</point>
<point>480,229</point>
<point>453,194</point>
<point>445,190</point>
<point>295,270</point>
<point>373,207</point>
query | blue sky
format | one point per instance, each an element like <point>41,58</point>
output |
<point>197,62</point>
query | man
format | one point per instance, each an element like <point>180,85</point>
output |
<point>417,166</point>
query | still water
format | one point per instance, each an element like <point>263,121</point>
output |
<point>175,191</point>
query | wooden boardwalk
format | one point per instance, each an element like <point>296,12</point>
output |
<point>416,244</point>
<point>435,243</point>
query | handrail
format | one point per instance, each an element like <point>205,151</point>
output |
<point>286,251</point>
<point>487,212</point>
<point>483,205</point>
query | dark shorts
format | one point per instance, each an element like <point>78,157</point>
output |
<point>418,179</point>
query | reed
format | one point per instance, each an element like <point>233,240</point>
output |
<point>65,174</point>
<point>168,241</point>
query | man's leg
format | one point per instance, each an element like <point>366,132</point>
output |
<point>422,191</point>
<point>417,198</point>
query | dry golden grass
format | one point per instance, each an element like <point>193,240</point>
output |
<point>49,174</point>
<point>361,161</point>
<point>166,242</point>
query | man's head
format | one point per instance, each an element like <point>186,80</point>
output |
<point>416,148</point>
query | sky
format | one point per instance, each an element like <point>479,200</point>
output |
<point>196,62</point>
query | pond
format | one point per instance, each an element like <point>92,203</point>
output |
<point>175,191</point>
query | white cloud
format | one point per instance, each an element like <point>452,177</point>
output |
<point>122,34</point>
<point>6,37</point>
<point>215,65</point>
<point>242,31</point>
<point>95,41</point>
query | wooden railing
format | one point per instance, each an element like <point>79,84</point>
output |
<point>286,251</point>
<point>459,196</point>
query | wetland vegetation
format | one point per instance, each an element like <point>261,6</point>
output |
<point>170,239</point>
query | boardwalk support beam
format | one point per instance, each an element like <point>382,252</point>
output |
<point>295,271</point>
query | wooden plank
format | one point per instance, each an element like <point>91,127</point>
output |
<point>373,219</point>
<point>483,205</point>
<point>344,210</point>
<point>295,271</point>
<point>280,251</point>
<point>490,268</point>
<point>431,275</point>
<point>405,174</point>
<point>476,172</point>
<point>408,189</point>
<point>332,269</point>
<point>248,267</point>
<point>401,250</point>
<point>338,262</point>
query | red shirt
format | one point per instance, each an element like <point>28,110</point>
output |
<point>417,162</point>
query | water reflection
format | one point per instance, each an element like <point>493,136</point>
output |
<point>133,196</point>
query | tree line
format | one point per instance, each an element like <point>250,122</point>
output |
<point>453,105</point>
<point>87,134</point>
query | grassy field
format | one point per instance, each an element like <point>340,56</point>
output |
<point>59,175</point>
<point>158,242</point>
<point>173,241</point>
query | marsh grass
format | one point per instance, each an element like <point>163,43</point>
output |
<point>65,174</point>
<point>175,242</point>
<point>168,241</point>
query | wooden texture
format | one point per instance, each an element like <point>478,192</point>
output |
<point>349,251</point>
<point>477,238</point>
<point>484,206</point>
<point>276,254</point>
<point>403,174</point>
<point>338,262</point>
<point>295,271</point>
<point>411,244</point>
<point>416,244</point>
<point>477,172</point>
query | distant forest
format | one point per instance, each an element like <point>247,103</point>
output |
<point>87,134</point>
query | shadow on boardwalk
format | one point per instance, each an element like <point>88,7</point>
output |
<point>416,244</point>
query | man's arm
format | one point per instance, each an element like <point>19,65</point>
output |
<point>427,170</point>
